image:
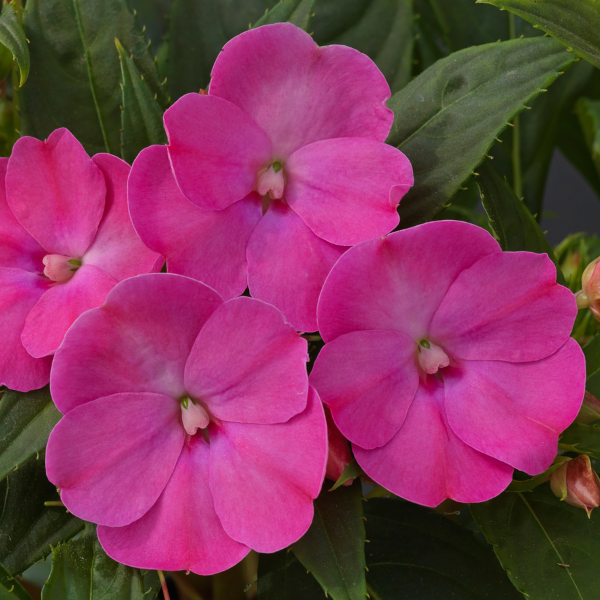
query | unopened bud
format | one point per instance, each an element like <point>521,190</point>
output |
<point>577,484</point>
<point>339,451</point>
<point>590,409</point>
<point>589,296</point>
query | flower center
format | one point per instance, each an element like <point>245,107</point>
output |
<point>60,268</point>
<point>193,416</point>
<point>431,357</point>
<point>271,181</point>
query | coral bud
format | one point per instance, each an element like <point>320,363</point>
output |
<point>60,268</point>
<point>590,289</point>
<point>431,357</point>
<point>339,452</point>
<point>271,182</point>
<point>193,416</point>
<point>590,409</point>
<point>577,484</point>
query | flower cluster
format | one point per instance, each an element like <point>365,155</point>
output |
<point>192,432</point>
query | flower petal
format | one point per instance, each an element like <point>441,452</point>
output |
<point>347,190</point>
<point>207,245</point>
<point>515,411</point>
<point>117,248</point>
<point>248,365</point>
<point>56,192</point>
<point>138,341</point>
<point>111,458</point>
<point>17,248</point>
<point>21,291</point>
<point>288,264</point>
<point>299,93</point>
<point>398,282</point>
<point>181,531</point>
<point>368,379</point>
<point>58,308</point>
<point>500,308</point>
<point>263,478</point>
<point>216,150</point>
<point>426,462</point>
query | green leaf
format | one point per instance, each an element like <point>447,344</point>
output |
<point>526,485</point>
<point>592,366</point>
<point>75,71</point>
<point>10,588</point>
<point>447,119</point>
<point>352,470</point>
<point>333,547</point>
<point>513,223</point>
<point>297,12</point>
<point>584,437</point>
<point>26,420</point>
<point>141,116</point>
<point>81,570</point>
<point>588,112</point>
<point>13,37</point>
<point>550,549</point>
<point>198,30</point>
<point>27,527</point>
<point>574,23</point>
<point>419,554</point>
<point>281,576</point>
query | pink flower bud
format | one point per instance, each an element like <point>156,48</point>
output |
<point>590,409</point>
<point>589,296</point>
<point>577,484</point>
<point>339,451</point>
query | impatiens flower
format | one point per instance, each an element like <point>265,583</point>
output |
<point>577,484</point>
<point>66,239</point>
<point>190,433</point>
<point>269,177</point>
<point>448,362</point>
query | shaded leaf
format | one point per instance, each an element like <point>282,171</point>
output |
<point>550,549</point>
<point>10,588</point>
<point>588,112</point>
<point>592,366</point>
<point>511,220</point>
<point>27,527</point>
<point>141,116</point>
<point>449,116</point>
<point>574,23</point>
<point>584,437</point>
<point>13,37</point>
<point>297,12</point>
<point>81,570</point>
<point>333,547</point>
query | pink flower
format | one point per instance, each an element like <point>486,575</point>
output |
<point>190,433</point>
<point>448,362</point>
<point>300,126</point>
<point>66,239</point>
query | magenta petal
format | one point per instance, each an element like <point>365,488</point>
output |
<point>139,341</point>
<point>117,248</point>
<point>347,189</point>
<point>300,93</point>
<point>181,531</point>
<point>208,245</point>
<point>368,379</point>
<point>20,293</point>
<point>515,411</point>
<point>288,264</point>
<point>501,308</point>
<point>216,150</point>
<point>111,458</point>
<point>17,248</point>
<point>56,192</point>
<point>398,282</point>
<point>426,462</point>
<point>264,478</point>
<point>58,308</point>
<point>248,365</point>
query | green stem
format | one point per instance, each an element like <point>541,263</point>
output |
<point>516,134</point>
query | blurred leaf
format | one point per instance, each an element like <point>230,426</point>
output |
<point>8,134</point>
<point>430,45</point>
<point>297,12</point>
<point>13,37</point>
<point>26,420</point>
<point>588,112</point>
<point>281,576</point>
<point>81,570</point>
<point>27,527</point>
<point>574,23</point>
<point>513,223</point>
<point>75,71</point>
<point>141,116</point>
<point>592,366</point>
<point>198,30</point>
<point>419,554</point>
<point>10,588</point>
<point>333,547</point>
<point>550,549</point>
